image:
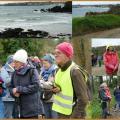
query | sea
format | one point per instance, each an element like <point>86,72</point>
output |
<point>81,11</point>
<point>30,17</point>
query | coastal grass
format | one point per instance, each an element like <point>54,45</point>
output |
<point>89,24</point>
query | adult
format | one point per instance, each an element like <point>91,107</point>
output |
<point>25,87</point>
<point>70,98</point>
<point>2,93</point>
<point>117,97</point>
<point>47,81</point>
<point>105,96</point>
<point>111,61</point>
<point>6,73</point>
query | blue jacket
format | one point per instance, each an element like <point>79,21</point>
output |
<point>26,80</point>
<point>117,94</point>
<point>2,109</point>
<point>6,73</point>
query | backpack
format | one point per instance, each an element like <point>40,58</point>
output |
<point>104,95</point>
<point>86,78</point>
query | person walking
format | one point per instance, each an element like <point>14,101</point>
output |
<point>25,87</point>
<point>6,73</point>
<point>70,89</point>
<point>105,97</point>
<point>117,98</point>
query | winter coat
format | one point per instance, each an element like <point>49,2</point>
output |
<point>6,73</point>
<point>117,94</point>
<point>26,81</point>
<point>46,83</point>
<point>111,62</point>
<point>2,109</point>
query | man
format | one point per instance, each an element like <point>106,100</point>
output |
<point>25,87</point>
<point>6,73</point>
<point>111,61</point>
<point>70,98</point>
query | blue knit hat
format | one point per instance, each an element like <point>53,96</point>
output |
<point>49,57</point>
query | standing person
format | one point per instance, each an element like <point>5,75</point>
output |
<point>8,100</point>
<point>117,97</point>
<point>47,80</point>
<point>2,93</point>
<point>25,87</point>
<point>99,58</point>
<point>111,61</point>
<point>105,96</point>
<point>70,98</point>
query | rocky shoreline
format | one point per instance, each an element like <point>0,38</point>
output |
<point>66,9</point>
<point>30,33</point>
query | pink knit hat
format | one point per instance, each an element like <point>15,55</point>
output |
<point>66,48</point>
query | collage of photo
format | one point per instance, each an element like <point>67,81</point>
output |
<point>59,59</point>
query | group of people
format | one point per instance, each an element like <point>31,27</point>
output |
<point>57,89</point>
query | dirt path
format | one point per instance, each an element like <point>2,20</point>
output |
<point>115,115</point>
<point>100,71</point>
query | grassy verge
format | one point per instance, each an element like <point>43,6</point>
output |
<point>88,24</point>
<point>94,110</point>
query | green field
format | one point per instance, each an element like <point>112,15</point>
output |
<point>89,24</point>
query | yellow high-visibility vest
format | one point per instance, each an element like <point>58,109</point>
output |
<point>63,101</point>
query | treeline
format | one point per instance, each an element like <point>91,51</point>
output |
<point>34,46</point>
<point>101,50</point>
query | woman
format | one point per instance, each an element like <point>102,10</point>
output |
<point>46,83</point>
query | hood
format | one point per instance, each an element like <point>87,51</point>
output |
<point>9,68</point>
<point>24,69</point>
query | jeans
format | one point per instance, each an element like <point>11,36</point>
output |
<point>104,110</point>
<point>118,105</point>
<point>8,108</point>
<point>49,113</point>
<point>2,110</point>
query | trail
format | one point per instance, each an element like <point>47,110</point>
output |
<point>100,71</point>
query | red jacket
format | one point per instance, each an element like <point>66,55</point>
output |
<point>111,62</point>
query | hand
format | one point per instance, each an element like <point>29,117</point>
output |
<point>56,89</point>
<point>14,91</point>
<point>41,116</point>
<point>17,94</point>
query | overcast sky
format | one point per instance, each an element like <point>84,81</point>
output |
<point>15,1</point>
<point>97,42</point>
<point>94,2</point>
